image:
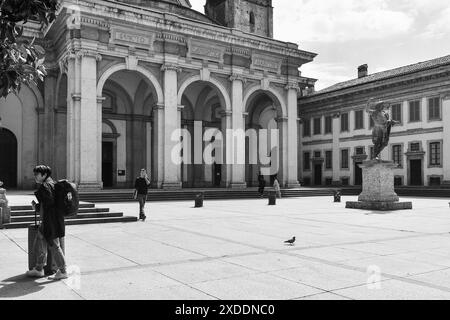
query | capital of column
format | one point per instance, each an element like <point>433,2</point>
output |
<point>76,96</point>
<point>336,115</point>
<point>446,96</point>
<point>244,115</point>
<point>238,77</point>
<point>101,99</point>
<point>88,53</point>
<point>180,108</point>
<point>282,119</point>
<point>171,67</point>
<point>159,106</point>
<point>292,86</point>
<point>226,113</point>
<point>300,120</point>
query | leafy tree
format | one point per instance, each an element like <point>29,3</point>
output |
<point>21,61</point>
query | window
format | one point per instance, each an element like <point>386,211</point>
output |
<point>345,181</point>
<point>434,109</point>
<point>359,151</point>
<point>435,154</point>
<point>435,181</point>
<point>307,128</point>
<point>317,126</point>
<point>307,161</point>
<point>317,154</point>
<point>414,111</point>
<point>252,21</point>
<point>359,119</point>
<point>344,122</point>
<point>344,159</point>
<point>397,155</point>
<point>328,124</point>
<point>397,112</point>
<point>328,159</point>
<point>398,181</point>
<point>414,147</point>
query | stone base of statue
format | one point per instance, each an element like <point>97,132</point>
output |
<point>378,188</point>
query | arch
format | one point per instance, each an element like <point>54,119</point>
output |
<point>110,125</point>
<point>212,81</point>
<point>122,66</point>
<point>275,96</point>
<point>8,164</point>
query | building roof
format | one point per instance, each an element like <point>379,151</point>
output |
<point>421,66</point>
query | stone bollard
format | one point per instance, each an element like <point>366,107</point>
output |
<point>199,200</point>
<point>4,208</point>
<point>272,198</point>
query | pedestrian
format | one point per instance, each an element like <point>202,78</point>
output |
<point>51,228</point>
<point>276,186</point>
<point>261,184</point>
<point>141,190</point>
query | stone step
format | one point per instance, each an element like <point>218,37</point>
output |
<point>30,219</point>
<point>81,210</point>
<point>28,207</point>
<point>18,225</point>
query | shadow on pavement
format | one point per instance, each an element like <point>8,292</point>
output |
<point>20,286</point>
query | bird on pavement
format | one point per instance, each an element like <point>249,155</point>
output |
<point>291,241</point>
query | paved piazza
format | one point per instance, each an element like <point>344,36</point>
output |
<point>234,250</point>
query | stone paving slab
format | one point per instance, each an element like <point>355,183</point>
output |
<point>235,250</point>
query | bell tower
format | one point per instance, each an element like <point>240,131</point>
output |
<point>253,16</point>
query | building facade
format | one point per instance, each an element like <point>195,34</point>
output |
<point>124,76</point>
<point>335,131</point>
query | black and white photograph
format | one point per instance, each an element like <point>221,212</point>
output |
<point>203,151</point>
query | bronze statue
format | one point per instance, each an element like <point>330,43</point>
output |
<point>381,126</point>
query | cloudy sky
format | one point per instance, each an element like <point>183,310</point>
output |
<point>347,33</point>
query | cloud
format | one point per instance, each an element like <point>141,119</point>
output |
<point>439,27</point>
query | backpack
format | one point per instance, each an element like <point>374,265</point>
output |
<point>63,204</point>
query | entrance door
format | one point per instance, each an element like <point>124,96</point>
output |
<point>107,164</point>
<point>358,174</point>
<point>318,174</point>
<point>415,167</point>
<point>8,159</point>
<point>217,174</point>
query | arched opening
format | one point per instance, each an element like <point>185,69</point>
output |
<point>264,138</point>
<point>127,129</point>
<point>203,112</point>
<point>8,158</point>
<point>60,167</point>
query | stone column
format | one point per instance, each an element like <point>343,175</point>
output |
<point>446,142</point>
<point>172,122</point>
<point>148,127</point>
<point>83,121</point>
<point>158,142</point>
<point>100,139</point>
<point>283,151</point>
<point>292,137</point>
<point>335,151</point>
<point>236,137</point>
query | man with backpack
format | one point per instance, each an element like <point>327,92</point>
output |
<point>52,226</point>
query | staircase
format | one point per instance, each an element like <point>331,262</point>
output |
<point>189,194</point>
<point>23,216</point>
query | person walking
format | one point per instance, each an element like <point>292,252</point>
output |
<point>276,187</point>
<point>141,190</point>
<point>51,228</point>
<point>261,184</point>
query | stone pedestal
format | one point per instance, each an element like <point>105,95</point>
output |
<point>5,210</point>
<point>378,188</point>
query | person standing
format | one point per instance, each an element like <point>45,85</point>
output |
<point>52,226</point>
<point>276,187</point>
<point>141,190</point>
<point>261,184</point>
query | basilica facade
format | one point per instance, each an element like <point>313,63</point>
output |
<point>124,76</point>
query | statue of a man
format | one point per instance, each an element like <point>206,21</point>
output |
<point>382,126</point>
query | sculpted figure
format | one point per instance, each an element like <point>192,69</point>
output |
<point>382,126</point>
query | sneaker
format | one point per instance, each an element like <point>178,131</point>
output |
<point>143,218</point>
<point>59,276</point>
<point>35,273</point>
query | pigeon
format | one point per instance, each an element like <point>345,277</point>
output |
<point>291,242</point>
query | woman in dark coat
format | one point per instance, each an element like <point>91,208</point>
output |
<point>52,227</point>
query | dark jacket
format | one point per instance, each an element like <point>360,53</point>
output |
<point>141,186</point>
<point>53,226</point>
